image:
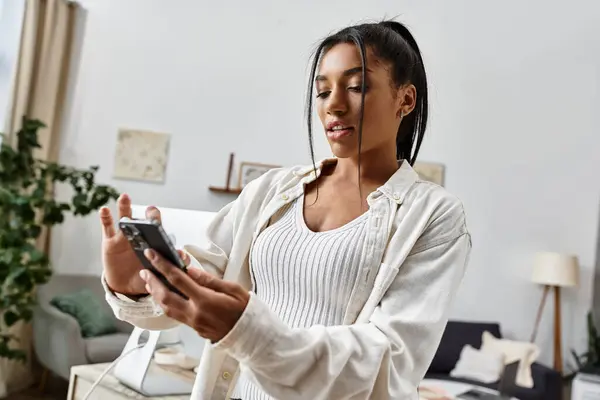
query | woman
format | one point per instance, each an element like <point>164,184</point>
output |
<point>331,281</point>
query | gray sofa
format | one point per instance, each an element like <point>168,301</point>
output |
<point>58,343</point>
<point>547,382</point>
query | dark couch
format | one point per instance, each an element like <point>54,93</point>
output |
<point>547,381</point>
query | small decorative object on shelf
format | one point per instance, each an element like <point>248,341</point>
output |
<point>431,172</point>
<point>250,171</point>
<point>247,173</point>
<point>227,188</point>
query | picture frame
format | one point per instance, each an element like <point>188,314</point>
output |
<point>251,170</point>
<point>141,155</point>
<point>431,172</point>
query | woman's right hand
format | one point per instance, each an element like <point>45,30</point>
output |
<point>121,265</point>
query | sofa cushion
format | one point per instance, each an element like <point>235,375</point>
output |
<point>524,352</point>
<point>457,335</point>
<point>106,348</point>
<point>484,366</point>
<point>85,307</point>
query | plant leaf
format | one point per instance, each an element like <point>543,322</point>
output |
<point>10,318</point>
<point>27,205</point>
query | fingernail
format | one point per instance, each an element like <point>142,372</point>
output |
<point>150,254</point>
<point>144,274</point>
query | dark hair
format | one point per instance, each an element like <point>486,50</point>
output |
<point>390,41</point>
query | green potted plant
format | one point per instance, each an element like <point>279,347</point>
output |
<point>589,362</point>
<point>27,208</point>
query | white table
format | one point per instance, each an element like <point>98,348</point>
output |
<point>83,376</point>
<point>585,387</point>
<point>452,388</point>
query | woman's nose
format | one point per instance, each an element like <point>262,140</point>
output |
<point>338,103</point>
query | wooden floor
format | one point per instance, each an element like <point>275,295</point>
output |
<point>56,387</point>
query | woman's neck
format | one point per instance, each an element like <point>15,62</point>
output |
<point>375,168</point>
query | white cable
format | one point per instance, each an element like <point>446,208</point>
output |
<point>107,370</point>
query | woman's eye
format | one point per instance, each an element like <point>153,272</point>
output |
<point>356,89</point>
<point>326,93</point>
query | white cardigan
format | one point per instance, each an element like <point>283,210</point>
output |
<point>416,251</point>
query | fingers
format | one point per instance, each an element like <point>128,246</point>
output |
<point>108,227</point>
<point>185,257</point>
<point>124,206</point>
<point>212,282</point>
<point>173,305</point>
<point>174,275</point>
<point>153,213</point>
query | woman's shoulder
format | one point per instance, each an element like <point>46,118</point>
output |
<point>436,196</point>
<point>442,212</point>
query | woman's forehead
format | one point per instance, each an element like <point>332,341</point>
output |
<point>344,57</point>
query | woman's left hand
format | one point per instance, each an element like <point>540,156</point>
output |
<point>213,306</point>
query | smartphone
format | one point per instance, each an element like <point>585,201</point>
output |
<point>149,234</point>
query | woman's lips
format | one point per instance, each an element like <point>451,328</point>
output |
<point>336,134</point>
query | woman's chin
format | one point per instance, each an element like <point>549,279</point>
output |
<point>341,151</point>
<point>344,154</point>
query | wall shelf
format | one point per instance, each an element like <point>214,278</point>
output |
<point>225,190</point>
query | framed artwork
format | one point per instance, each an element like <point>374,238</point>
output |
<point>250,171</point>
<point>141,155</point>
<point>431,172</point>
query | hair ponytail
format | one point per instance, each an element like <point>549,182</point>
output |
<point>412,128</point>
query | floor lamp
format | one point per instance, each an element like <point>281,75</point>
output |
<point>554,270</point>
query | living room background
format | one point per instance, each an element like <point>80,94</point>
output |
<point>514,120</point>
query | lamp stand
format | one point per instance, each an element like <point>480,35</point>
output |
<point>539,314</point>
<point>558,362</point>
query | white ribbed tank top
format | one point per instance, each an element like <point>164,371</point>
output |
<point>305,277</point>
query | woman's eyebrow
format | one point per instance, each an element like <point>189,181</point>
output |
<point>348,72</point>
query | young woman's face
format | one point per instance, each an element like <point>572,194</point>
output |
<point>338,86</point>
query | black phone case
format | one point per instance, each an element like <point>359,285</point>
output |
<point>142,235</point>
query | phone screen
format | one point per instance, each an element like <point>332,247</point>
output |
<point>142,235</point>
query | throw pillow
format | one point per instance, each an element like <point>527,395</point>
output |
<point>524,352</point>
<point>85,307</point>
<point>479,365</point>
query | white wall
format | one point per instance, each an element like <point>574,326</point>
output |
<point>515,100</point>
<point>11,18</point>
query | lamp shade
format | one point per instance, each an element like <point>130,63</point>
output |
<point>554,269</point>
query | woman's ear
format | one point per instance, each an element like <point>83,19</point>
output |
<point>407,100</point>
